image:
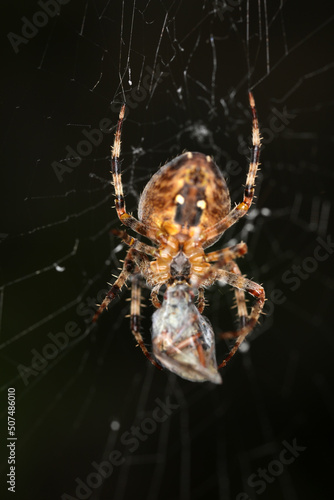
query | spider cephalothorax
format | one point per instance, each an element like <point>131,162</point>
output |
<point>184,209</point>
<point>180,267</point>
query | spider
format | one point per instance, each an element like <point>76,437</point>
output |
<point>184,209</point>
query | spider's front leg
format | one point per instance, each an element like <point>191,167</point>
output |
<point>124,217</point>
<point>242,208</point>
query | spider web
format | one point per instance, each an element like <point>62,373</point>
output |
<point>184,69</point>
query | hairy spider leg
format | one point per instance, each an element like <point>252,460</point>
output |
<point>226,258</point>
<point>135,317</point>
<point>239,297</point>
<point>242,208</point>
<point>242,315</point>
<point>155,296</point>
<point>225,255</point>
<point>134,243</point>
<point>128,267</point>
<point>124,217</point>
<point>146,249</point>
<point>236,280</point>
<point>135,263</point>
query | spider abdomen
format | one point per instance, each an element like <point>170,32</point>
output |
<point>188,192</point>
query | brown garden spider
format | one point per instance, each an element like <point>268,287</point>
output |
<point>184,209</point>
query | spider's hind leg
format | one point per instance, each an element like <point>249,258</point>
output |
<point>242,315</point>
<point>247,321</point>
<point>234,278</point>
<point>135,317</point>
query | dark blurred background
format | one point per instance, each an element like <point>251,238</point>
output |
<point>184,69</point>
